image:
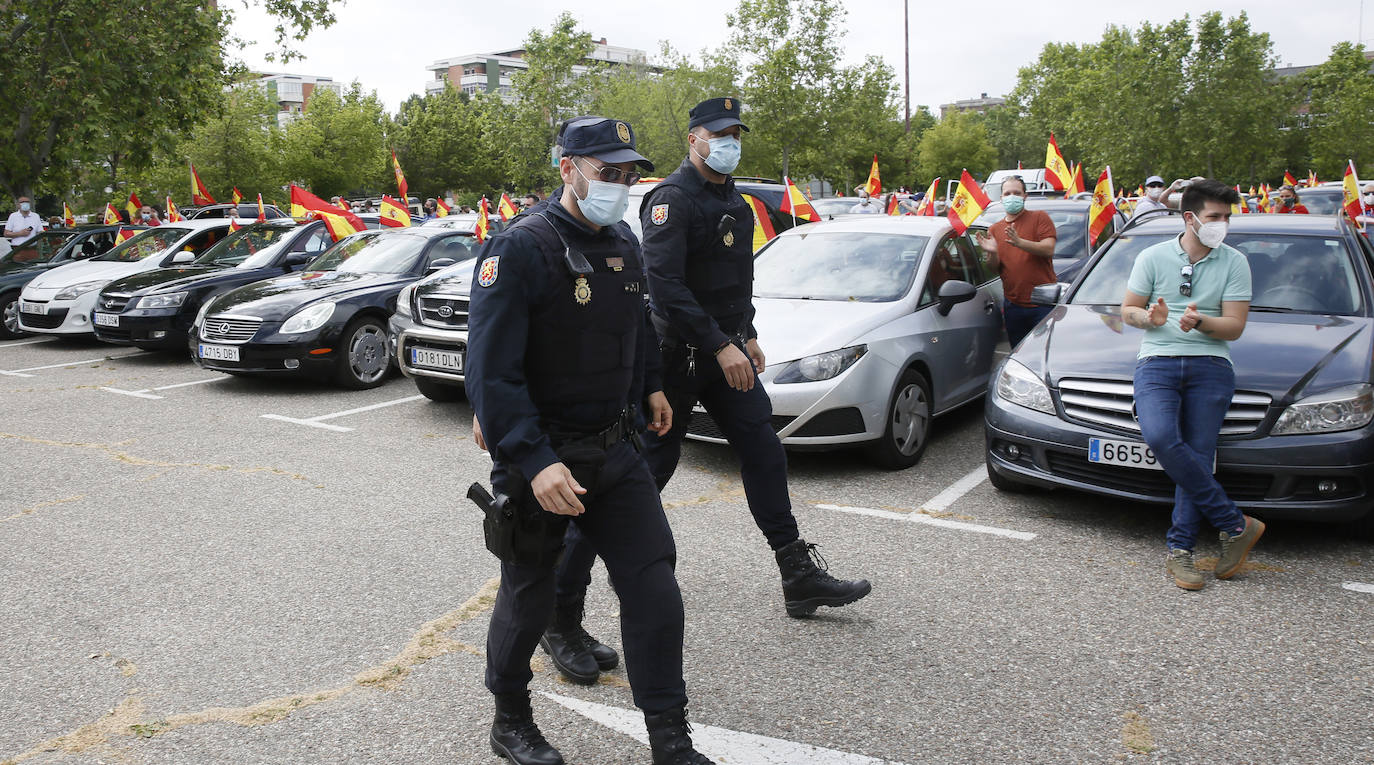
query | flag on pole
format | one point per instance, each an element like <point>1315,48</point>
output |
<point>441,209</point>
<point>339,223</point>
<point>344,205</point>
<point>483,227</point>
<point>173,214</point>
<point>927,205</point>
<point>68,217</point>
<point>795,203</point>
<point>873,186</point>
<point>234,225</point>
<point>968,203</point>
<point>1312,178</point>
<point>1139,191</point>
<point>1056,170</point>
<point>894,205</point>
<point>1350,190</point>
<point>1288,179</point>
<point>1240,208</point>
<point>199,194</point>
<point>1076,185</point>
<point>111,215</point>
<point>1103,207</point>
<point>400,176</point>
<point>124,235</point>
<point>763,225</point>
<point>1264,198</point>
<point>133,206</point>
<point>262,211</point>
<point>506,208</point>
<point>236,195</point>
<point>394,213</point>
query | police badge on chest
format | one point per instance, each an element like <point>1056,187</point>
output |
<point>582,291</point>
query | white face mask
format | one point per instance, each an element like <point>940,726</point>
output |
<point>1154,193</point>
<point>1212,234</point>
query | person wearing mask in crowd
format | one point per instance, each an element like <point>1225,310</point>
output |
<point>1366,216</point>
<point>1289,202</point>
<point>1191,296</point>
<point>865,205</point>
<point>147,216</point>
<point>431,208</point>
<point>23,224</point>
<point>1020,247</point>
<point>1154,196</point>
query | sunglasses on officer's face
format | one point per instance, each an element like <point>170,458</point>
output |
<point>611,174</point>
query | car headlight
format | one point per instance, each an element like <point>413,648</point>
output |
<point>170,300</point>
<point>822,366</point>
<point>1020,386</point>
<point>403,300</point>
<point>309,319</point>
<point>75,290</point>
<point>1341,409</point>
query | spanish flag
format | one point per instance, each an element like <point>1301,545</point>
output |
<point>124,235</point>
<point>794,203</point>
<point>441,209</point>
<point>344,205</point>
<point>394,213</point>
<point>1056,170</point>
<point>1103,207</point>
<point>894,205</point>
<point>199,194</point>
<point>1241,207</point>
<point>1350,192</point>
<point>133,205</point>
<point>506,208</point>
<point>1264,198</point>
<point>173,214</point>
<point>340,224</point>
<point>968,203</point>
<point>1288,179</point>
<point>237,195</point>
<point>1312,178</point>
<point>234,225</point>
<point>1076,186</point>
<point>874,186</point>
<point>927,205</point>
<point>483,227</point>
<point>400,176</point>
<point>111,215</point>
<point>763,225</point>
<point>68,217</point>
<point>262,211</point>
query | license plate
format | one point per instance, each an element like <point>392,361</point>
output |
<point>429,357</point>
<point>27,307</point>
<point>107,319</point>
<point>219,352</point>
<point>1125,453</point>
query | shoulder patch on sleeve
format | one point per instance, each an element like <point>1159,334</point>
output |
<point>659,214</point>
<point>486,275</point>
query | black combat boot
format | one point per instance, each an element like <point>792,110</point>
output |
<point>577,655</point>
<point>514,735</point>
<point>670,739</point>
<point>806,586</point>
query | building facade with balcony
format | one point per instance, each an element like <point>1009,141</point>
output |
<point>291,92</point>
<point>491,72</point>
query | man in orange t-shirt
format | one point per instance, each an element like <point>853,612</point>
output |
<point>1021,248</point>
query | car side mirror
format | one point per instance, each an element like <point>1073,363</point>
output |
<point>183,257</point>
<point>294,259</point>
<point>954,292</point>
<point>1047,294</point>
<point>440,263</point>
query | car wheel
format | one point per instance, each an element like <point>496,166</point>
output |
<point>1005,484</point>
<point>365,356</point>
<point>439,391</point>
<point>9,309</point>
<point>908,424</point>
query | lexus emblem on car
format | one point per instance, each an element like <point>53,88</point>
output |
<point>445,311</point>
<point>223,328</point>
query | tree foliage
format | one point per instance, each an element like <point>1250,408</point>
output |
<point>1339,117</point>
<point>958,142</point>
<point>338,146</point>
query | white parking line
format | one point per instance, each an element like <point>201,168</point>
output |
<point>1359,587</point>
<point>26,342</point>
<point>319,422</point>
<point>148,392</point>
<point>941,502</point>
<point>193,382</point>
<point>938,504</point>
<point>20,372</point>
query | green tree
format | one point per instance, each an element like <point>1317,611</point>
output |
<point>957,142</point>
<point>862,118</point>
<point>1342,91</point>
<point>338,146</point>
<point>437,139</point>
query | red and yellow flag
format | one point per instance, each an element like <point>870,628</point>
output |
<point>124,235</point>
<point>236,195</point>
<point>1056,169</point>
<point>1103,206</point>
<point>199,194</point>
<point>1288,179</point>
<point>483,227</point>
<point>968,203</point>
<point>927,205</point>
<point>173,214</point>
<point>133,205</point>
<point>340,224</point>
<point>894,205</point>
<point>795,203</point>
<point>400,176</point>
<point>1076,185</point>
<point>262,211</point>
<point>874,186</point>
<point>763,225</point>
<point>111,215</point>
<point>1241,207</point>
<point>1264,198</point>
<point>344,205</point>
<point>394,213</point>
<point>441,209</point>
<point>1312,178</point>
<point>506,208</point>
<point>1350,192</point>
<point>234,225</point>
<point>68,217</point>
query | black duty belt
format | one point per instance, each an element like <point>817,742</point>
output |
<point>620,430</point>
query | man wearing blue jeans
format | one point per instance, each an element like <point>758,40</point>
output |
<point>1183,379</point>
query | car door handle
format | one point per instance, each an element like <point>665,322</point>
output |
<point>989,306</point>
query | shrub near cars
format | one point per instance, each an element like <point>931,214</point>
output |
<point>1297,439</point>
<point>330,319</point>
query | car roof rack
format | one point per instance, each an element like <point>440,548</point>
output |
<point>1149,215</point>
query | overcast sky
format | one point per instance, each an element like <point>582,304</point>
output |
<point>386,44</point>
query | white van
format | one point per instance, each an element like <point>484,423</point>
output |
<point>1033,176</point>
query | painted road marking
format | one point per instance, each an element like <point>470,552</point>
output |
<point>1359,587</point>
<point>26,342</point>
<point>148,392</point>
<point>319,422</point>
<point>720,744</point>
<point>20,372</point>
<point>939,504</point>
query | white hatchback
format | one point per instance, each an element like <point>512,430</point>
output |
<point>62,301</point>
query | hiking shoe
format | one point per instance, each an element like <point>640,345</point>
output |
<point>1235,548</point>
<point>1180,565</point>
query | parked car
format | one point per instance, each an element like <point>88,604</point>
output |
<point>465,222</point>
<point>1297,440</point>
<point>47,250</point>
<point>328,321</point>
<point>1036,184</point>
<point>1070,216</point>
<point>61,301</point>
<point>873,325</point>
<point>429,331</point>
<point>829,207</point>
<point>769,192</point>
<point>242,211</point>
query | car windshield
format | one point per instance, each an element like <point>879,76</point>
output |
<point>372,252</point>
<point>1070,228</point>
<point>1297,274</point>
<point>145,243</point>
<point>833,265</point>
<point>39,249</point>
<point>255,243</point>
<point>1321,201</point>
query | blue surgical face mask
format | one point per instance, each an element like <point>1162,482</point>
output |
<point>724,156</point>
<point>1013,204</point>
<point>25,207</point>
<point>605,203</point>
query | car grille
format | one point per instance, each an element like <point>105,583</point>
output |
<point>1110,403</point>
<point>116,334</point>
<point>229,329</point>
<point>113,302</point>
<point>50,320</point>
<point>704,425</point>
<point>448,313</point>
<point>1240,487</point>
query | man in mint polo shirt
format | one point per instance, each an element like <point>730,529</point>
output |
<point>1191,295</point>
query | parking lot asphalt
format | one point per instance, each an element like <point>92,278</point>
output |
<point>200,568</point>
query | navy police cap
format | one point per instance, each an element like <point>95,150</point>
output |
<point>608,140</point>
<point>716,114</point>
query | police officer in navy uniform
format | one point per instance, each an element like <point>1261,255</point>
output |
<point>556,365</point>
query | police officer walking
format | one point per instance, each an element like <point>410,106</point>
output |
<point>556,365</point>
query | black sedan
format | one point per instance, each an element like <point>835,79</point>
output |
<point>49,249</point>
<point>1297,441</point>
<point>330,320</point>
<point>154,309</point>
